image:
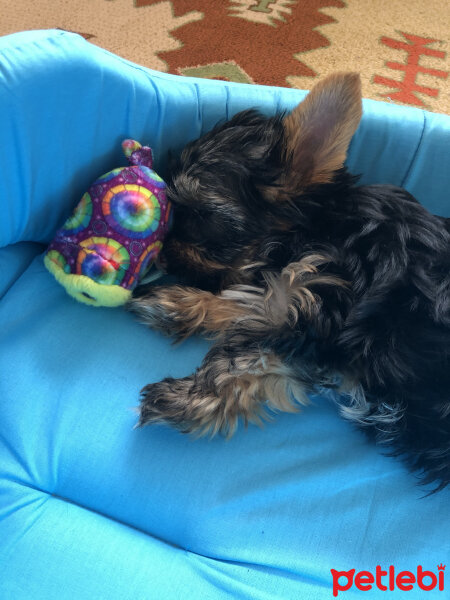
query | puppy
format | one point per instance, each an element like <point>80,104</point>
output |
<point>306,281</point>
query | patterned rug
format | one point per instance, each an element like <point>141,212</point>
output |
<point>399,47</point>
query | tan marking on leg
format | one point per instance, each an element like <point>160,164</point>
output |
<point>199,310</point>
<point>221,392</point>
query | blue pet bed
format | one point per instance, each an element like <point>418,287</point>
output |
<point>91,508</point>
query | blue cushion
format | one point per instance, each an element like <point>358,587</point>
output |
<point>14,259</point>
<point>90,507</point>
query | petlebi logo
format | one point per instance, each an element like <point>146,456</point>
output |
<point>389,580</point>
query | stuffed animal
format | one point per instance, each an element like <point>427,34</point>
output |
<point>115,233</point>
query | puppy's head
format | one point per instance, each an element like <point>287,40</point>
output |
<point>230,186</point>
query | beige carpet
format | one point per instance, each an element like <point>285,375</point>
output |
<point>400,47</point>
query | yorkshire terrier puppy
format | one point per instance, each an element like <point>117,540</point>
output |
<point>306,281</point>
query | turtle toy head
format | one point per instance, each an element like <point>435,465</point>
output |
<point>114,234</point>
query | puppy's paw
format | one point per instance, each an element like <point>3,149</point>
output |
<point>162,308</point>
<point>183,405</point>
<point>164,402</point>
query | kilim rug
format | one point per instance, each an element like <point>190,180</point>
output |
<point>400,47</point>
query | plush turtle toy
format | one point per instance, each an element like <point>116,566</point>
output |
<point>115,233</point>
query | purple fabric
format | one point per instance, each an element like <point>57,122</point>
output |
<point>117,229</point>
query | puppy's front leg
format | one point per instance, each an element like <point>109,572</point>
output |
<point>290,298</point>
<point>231,383</point>
<point>181,311</point>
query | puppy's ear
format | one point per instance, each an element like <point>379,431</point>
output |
<point>318,131</point>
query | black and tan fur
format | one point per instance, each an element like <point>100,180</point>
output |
<point>305,280</point>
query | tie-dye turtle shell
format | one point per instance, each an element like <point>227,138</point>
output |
<point>114,234</point>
